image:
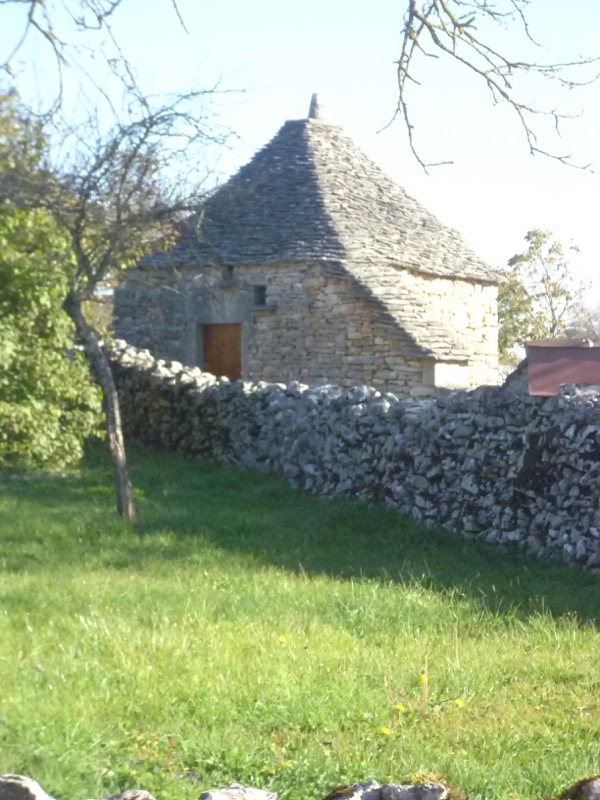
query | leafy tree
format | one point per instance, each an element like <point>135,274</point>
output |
<point>48,404</point>
<point>539,297</point>
<point>115,184</point>
<point>115,196</point>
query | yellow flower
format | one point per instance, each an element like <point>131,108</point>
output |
<point>459,702</point>
<point>385,731</point>
<point>400,707</point>
<point>422,677</point>
<point>282,639</point>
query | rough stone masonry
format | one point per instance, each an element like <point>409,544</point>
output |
<point>20,787</point>
<point>491,464</point>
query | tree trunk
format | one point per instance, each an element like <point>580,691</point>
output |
<point>102,373</point>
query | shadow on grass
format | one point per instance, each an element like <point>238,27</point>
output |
<point>181,502</point>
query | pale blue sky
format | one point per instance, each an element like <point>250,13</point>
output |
<point>279,52</point>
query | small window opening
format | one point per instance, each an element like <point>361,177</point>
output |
<point>260,295</point>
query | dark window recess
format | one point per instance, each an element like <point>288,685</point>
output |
<point>260,295</point>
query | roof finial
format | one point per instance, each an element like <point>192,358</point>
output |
<point>316,108</point>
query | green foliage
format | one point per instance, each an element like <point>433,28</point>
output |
<point>249,632</point>
<point>539,296</point>
<point>21,137</point>
<point>48,405</point>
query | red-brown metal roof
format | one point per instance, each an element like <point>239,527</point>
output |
<point>552,362</point>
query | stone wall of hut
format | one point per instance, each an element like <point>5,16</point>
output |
<point>471,310</point>
<point>302,322</point>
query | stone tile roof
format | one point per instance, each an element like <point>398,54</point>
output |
<point>311,194</point>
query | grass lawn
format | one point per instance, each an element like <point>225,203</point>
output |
<point>248,632</point>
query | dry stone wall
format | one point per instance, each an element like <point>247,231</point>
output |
<point>490,463</point>
<point>21,787</point>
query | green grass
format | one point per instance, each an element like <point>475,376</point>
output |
<point>247,632</point>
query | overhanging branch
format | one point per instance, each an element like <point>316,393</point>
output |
<point>449,28</point>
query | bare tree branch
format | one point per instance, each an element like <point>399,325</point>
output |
<point>437,28</point>
<point>175,5</point>
<point>86,16</point>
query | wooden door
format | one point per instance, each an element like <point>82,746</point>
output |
<point>222,349</point>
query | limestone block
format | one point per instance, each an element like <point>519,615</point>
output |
<point>20,787</point>
<point>236,791</point>
<point>585,789</point>
<point>132,794</point>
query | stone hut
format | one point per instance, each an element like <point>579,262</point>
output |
<point>311,264</point>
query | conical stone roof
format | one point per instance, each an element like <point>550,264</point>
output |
<point>312,194</point>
